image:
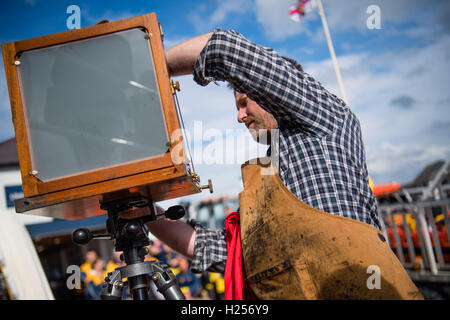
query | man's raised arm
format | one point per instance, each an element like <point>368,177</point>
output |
<point>178,235</point>
<point>181,58</point>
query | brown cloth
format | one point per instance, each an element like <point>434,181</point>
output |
<point>294,251</point>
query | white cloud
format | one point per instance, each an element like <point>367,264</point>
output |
<point>342,15</point>
<point>399,142</point>
<point>345,15</point>
<point>227,7</point>
<point>204,21</point>
<point>387,159</point>
<point>274,18</point>
<point>351,14</point>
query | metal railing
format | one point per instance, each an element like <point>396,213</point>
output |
<point>418,226</point>
<point>425,246</point>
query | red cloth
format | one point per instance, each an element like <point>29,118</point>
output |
<point>234,277</point>
<point>235,287</point>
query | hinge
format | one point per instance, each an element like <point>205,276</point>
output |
<point>160,31</point>
<point>175,86</point>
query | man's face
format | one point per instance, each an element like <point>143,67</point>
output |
<point>91,256</point>
<point>254,116</point>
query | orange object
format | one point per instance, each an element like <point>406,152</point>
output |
<point>384,189</point>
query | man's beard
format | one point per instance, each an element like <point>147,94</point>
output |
<point>262,136</point>
<point>259,130</point>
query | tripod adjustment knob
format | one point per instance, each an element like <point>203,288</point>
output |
<point>175,212</point>
<point>132,229</point>
<point>82,236</point>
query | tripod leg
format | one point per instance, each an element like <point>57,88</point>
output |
<point>138,284</point>
<point>139,288</point>
<point>112,288</point>
<point>166,283</point>
<point>131,237</point>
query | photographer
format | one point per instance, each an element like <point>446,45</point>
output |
<point>314,212</point>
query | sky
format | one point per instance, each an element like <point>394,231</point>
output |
<point>396,75</point>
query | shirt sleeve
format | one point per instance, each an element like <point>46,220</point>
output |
<point>271,81</point>
<point>210,249</point>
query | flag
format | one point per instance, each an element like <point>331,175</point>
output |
<point>298,10</point>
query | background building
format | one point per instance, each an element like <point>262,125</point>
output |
<point>51,237</point>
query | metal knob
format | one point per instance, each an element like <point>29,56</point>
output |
<point>175,212</point>
<point>208,186</point>
<point>175,86</point>
<point>82,236</point>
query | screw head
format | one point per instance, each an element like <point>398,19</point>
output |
<point>143,251</point>
<point>156,277</point>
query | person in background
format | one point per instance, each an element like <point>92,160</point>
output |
<point>116,262</point>
<point>112,265</point>
<point>162,252</point>
<point>174,264</point>
<point>94,281</point>
<point>214,285</point>
<point>91,256</point>
<point>188,282</point>
<point>219,285</point>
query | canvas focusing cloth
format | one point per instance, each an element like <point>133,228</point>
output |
<point>294,251</point>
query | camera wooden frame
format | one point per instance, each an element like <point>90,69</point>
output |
<point>77,196</point>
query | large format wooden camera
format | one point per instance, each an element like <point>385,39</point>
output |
<point>95,119</point>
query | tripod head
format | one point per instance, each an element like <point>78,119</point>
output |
<point>131,237</point>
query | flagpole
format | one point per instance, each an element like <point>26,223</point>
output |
<point>336,67</point>
<point>330,46</point>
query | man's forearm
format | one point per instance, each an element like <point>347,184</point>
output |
<point>181,58</point>
<point>176,234</point>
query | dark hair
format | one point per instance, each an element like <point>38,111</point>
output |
<point>294,63</point>
<point>290,60</point>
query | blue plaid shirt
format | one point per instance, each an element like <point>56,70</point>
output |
<point>321,152</point>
